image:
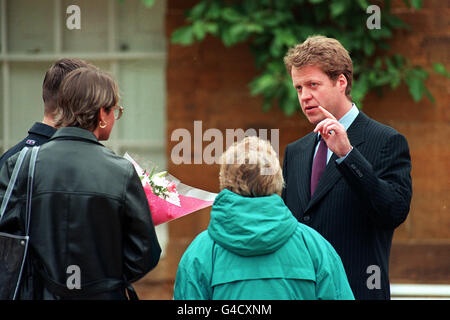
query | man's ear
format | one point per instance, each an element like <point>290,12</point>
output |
<point>342,82</point>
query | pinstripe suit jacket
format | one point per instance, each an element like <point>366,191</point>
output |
<point>358,203</point>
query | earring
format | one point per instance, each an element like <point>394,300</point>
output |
<point>103,126</point>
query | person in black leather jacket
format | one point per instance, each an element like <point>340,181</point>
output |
<point>91,232</point>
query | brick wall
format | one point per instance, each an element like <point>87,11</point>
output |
<point>209,82</point>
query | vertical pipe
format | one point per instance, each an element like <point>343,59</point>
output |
<point>114,64</point>
<point>57,27</point>
<point>5,75</point>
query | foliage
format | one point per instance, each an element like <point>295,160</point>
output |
<point>147,3</point>
<point>270,27</point>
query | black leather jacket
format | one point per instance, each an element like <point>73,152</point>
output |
<point>89,210</point>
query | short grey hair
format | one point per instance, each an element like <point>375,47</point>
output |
<point>251,168</point>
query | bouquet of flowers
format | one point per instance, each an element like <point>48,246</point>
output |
<point>167,197</point>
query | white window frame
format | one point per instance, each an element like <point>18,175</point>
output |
<point>111,56</point>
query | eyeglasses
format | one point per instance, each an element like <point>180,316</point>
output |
<point>118,111</point>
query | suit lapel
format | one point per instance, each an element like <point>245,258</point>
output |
<point>304,167</point>
<point>331,174</point>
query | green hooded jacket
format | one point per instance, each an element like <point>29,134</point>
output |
<point>255,249</point>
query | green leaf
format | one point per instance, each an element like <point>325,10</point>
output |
<point>270,27</point>
<point>429,96</point>
<point>416,4</point>
<point>267,105</point>
<point>198,10</point>
<point>261,58</point>
<point>407,3</point>
<point>440,69</point>
<point>378,63</point>
<point>320,14</point>
<point>369,47</point>
<point>389,64</point>
<point>232,15</point>
<point>416,88</point>
<point>399,60</point>
<point>183,35</point>
<point>337,7</point>
<point>262,83</point>
<point>414,78</point>
<point>288,106</point>
<point>395,81</point>
<point>383,79</point>
<point>363,4</point>
<point>235,34</point>
<point>418,72</point>
<point>285,37</point>
<point>384,46</point>
<point>198,29</point>
<point>395,22</point>
<point>360,87</point>
<point>381,33</point>
<point>148,3</point>
<point>214,11</point>
<point>254,28</point>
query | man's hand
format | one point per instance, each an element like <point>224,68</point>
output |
<point>334,134</point>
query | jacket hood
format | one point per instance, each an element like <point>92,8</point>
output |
<point>250,226</point>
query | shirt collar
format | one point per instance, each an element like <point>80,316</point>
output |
<point>349,117</point>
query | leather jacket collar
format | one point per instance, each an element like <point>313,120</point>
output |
<point>74,133</point>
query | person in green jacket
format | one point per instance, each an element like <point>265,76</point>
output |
<point>254,248</point>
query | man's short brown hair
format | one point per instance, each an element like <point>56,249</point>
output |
<point>53,78</point>
<point>82,94</point>
<point>326,53</point>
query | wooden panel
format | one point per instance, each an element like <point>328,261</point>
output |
<point>420,262</point>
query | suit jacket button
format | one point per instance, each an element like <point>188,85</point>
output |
<point>306,218</point>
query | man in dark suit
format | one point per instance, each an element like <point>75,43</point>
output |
<point>350,178</point>
<point>41,132</point>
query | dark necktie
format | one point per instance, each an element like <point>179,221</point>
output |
<point>319,164</point>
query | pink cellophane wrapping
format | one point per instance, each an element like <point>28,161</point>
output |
<point>191,199</point>
<point>164,211</point>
